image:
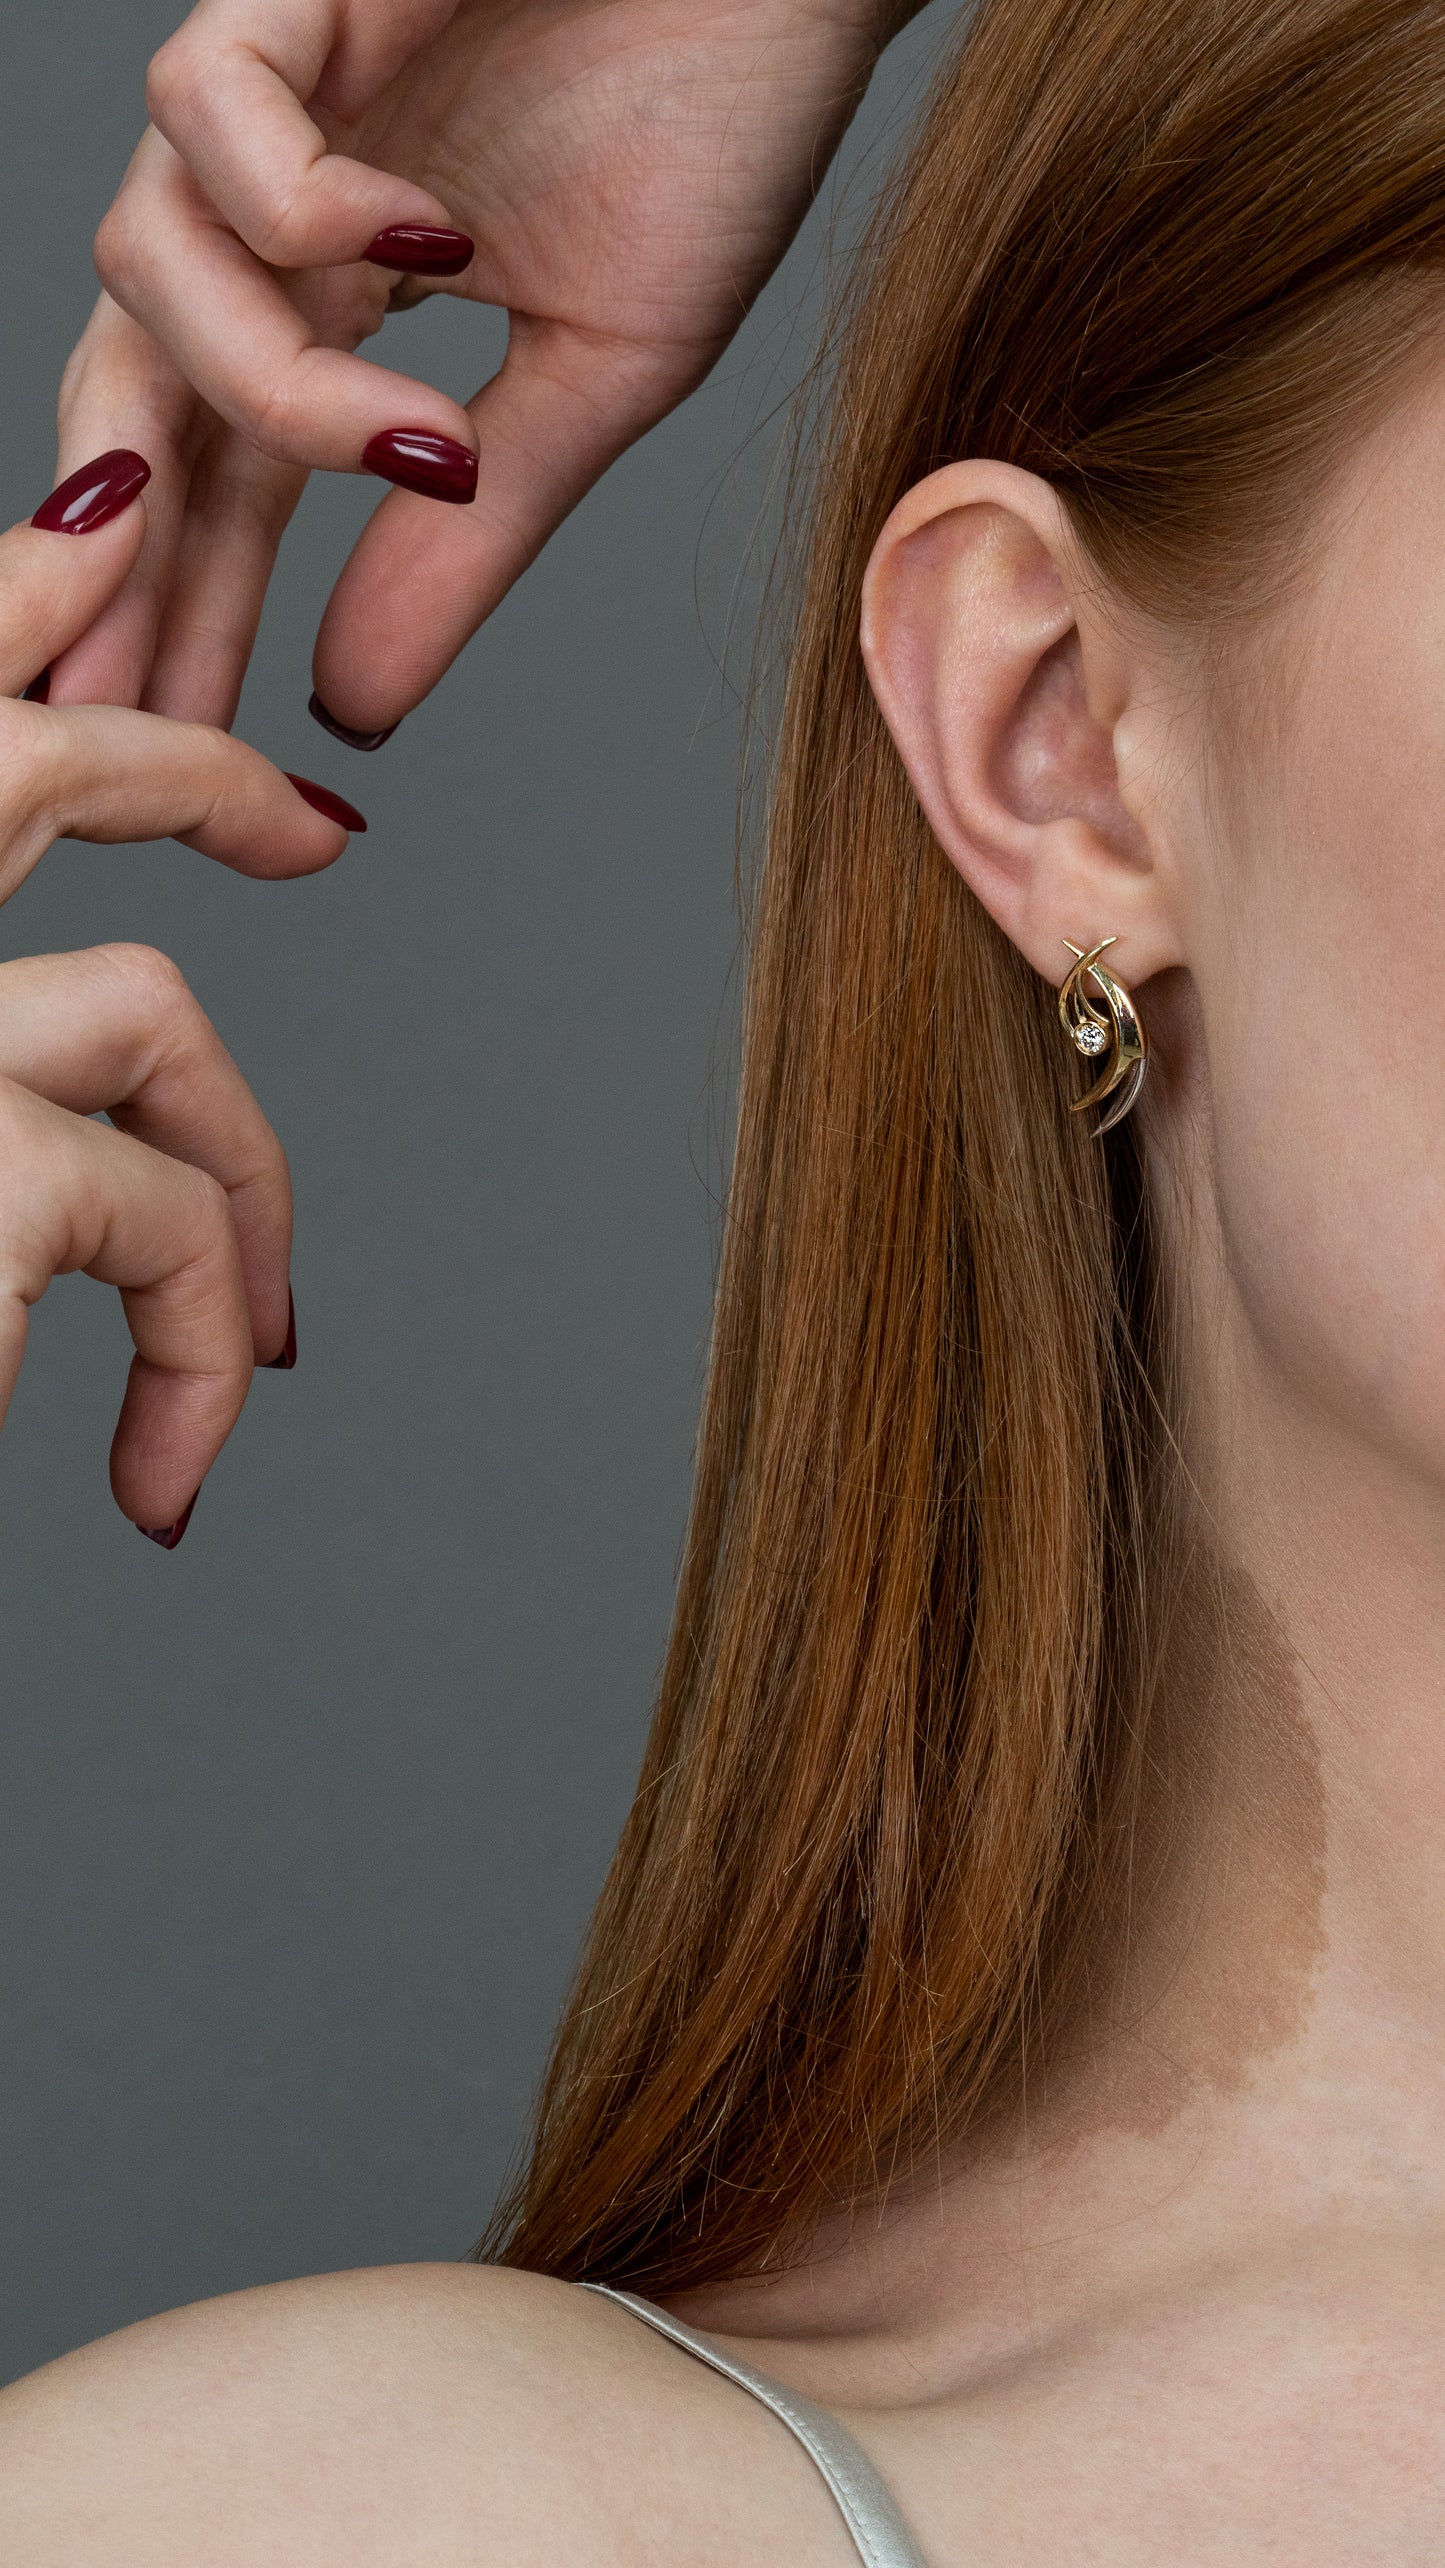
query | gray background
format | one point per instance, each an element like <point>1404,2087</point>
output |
<point>299,1826</point>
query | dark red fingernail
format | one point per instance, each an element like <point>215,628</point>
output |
<point>169,1535</point>
<point>417,460</point>
<point>343,730</point>
<point>38,691</point>
<point>284,1362</point>
<point>322,799</point>
<point>421,249</point>
<point>94,495</point>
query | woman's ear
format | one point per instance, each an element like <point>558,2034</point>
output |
<point>1004,691</point>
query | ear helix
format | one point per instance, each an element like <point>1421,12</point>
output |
<point>1112,1035</point>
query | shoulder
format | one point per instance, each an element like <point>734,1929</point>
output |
<point>437,2414</point>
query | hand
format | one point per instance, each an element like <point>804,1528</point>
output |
<point>185,1205</point>
<point>630,172</point>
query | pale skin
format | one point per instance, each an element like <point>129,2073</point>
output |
<point>630,171</point>
<point>1187,2307</point>
<point>185,1205</point>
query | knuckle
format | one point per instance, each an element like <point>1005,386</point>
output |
<point>210,1210</point>
<point>271,1169</point>
<point>29,1250</point>
<point>118,250</point>
<point>155,985</point>
<point>271,418</point>
<point>170,81</point>
<point>281,235</point>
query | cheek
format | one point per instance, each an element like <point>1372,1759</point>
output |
<point>1323,992</point>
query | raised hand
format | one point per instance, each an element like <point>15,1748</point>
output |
<point>185,1203</point>
<point>629,172</point>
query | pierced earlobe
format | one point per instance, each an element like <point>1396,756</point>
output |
<point>1116,1036</point>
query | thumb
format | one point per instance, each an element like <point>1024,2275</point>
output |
<point>60,570</point>
<point>563,406</point>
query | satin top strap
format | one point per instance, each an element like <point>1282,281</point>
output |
<point>880,2535</point>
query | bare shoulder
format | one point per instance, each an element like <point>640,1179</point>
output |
<point>440,2414</point>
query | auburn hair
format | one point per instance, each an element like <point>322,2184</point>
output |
<point>1169,254</point>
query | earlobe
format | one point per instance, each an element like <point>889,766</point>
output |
<point>1002,690</point>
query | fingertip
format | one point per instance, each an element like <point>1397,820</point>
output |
<point>90,497</point>
<point>271,841</point>
<point>421,249</point>
<point>285,1362</point>
<point>419,460</point>
<point>167,1536</point>
<point>342,730</point>
<point>331,806</point>
<point>62,597</point>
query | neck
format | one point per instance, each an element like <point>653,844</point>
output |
<point>1259,2059</point>
<point>1303,1749</point>
<point>1261,2055</point>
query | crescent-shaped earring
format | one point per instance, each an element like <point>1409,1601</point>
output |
<point>1113,1035</point>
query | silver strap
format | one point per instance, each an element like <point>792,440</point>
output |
<point>880,2535</point>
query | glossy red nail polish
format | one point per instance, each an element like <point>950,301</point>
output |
<point>322,799</point>
<point>285,1361</point>
<point>169,1535</point>
<point>421,249</point>
<point>343,730</point>
<point>38,691</point>
<point>416,459</point>
<point>94,495</point>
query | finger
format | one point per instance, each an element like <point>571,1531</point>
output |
<point>562,408</point>
<point>226,93</point>
<point>120,389</point>
<point>108,775</point>
<point>240,504</point>
<point>171,261</point>
<point>80,1196</point>
<point>116,1030</point>
<point>52,583</point>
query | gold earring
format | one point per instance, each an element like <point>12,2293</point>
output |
<point>1116,1037</point>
